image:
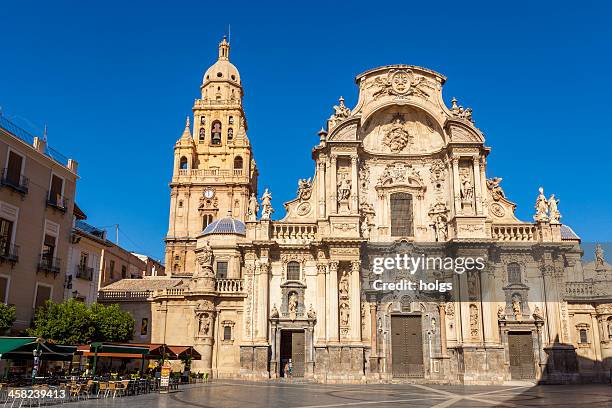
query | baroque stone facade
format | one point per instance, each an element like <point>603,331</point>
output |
<point>399,173</point>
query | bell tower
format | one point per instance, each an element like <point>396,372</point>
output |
<point>214,170</point>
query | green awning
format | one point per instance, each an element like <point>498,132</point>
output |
<point>8,344</point>
<point>99,347</point>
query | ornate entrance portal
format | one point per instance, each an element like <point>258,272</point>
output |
<point>293,346</point>
<point>407,346</point>
<point>521,356</point>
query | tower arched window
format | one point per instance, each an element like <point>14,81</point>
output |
<point>230,134</point>
<point>514,272</point>
<point>293,270</point>
<point>215,133</point>
<point>401,214</point>
<point>238,163</point>
<point>230,120</point>
<point>183,164</point>
<point>206,219</point>
<point>202,134</point>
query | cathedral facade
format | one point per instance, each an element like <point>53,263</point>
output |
<point>400,173</point>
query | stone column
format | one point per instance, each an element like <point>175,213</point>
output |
<point>373,338</point>
<point>321,187</point>
<point>354,186</point>
<point>456,185</point>
<point>477,186</point>
<point>596,338</point>
<point>332,296</point>
<point>487,289</point>
<point>320,328</point>
<point>333,184</point>
<point>442,325</point>
<point>483,179</point>
<point>263,269</point>
<point>355,301</point>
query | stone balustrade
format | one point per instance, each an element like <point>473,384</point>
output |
<point>294,233</point>
<point>124,295</point>
<point>229,285</point>
<point>515,232</point>
<point>208,173</point>
<point>580,289</point>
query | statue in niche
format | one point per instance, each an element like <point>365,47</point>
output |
<point>497,192</point>
<point>293,304</point>
<point>205,321</point>
<point>343,286</point>
<point>501,313</point>
<point>253,208</point>
<point>537,314</point>
<point>553,211</point>
<point>599,257</point>
<point>344,189</point>
<point>516,306</point>
<point>467,190</point>
<point>441,228</point>
<point>274,312</point>
<point>541,207</point>
<point>473,320</point>
<point>266,205</point>
<point>344,314</point>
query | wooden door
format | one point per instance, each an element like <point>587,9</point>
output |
<point>407,346</point>
<point>522,364</point>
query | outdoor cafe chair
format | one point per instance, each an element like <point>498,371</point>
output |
<point>103,388</point>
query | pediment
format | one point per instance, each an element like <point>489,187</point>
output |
<point>460,133</point>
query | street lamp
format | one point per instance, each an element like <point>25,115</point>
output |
<point>36,353</point>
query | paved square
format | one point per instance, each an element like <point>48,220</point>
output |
<point>239,394</point>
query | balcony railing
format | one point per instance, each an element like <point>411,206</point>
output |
<point>18,183</point>
<point>228,285</point>
<point>57,201</point>
<point>9,253</point>
<point>125,295</point>
<point>84,272</point>
<point>525,233</point>
<point>294,233</point>
<point>214,173</point>
<point>49,265</point>
<point>580,289</point>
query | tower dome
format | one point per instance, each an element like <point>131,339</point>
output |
<point>227,225</point>
<point>222,70</point>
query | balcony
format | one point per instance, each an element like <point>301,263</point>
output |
<point>228,285</point>
<point>84,272</point>
<point>515,233</point>
<point>286,233</point>
<point>49,265</point>
<point>9,253</point>
<point>209,174</point>
<point>19,183</point>
<point>57,201</point>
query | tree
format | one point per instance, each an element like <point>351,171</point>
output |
<point>73,322</point>
<point>7,317</point>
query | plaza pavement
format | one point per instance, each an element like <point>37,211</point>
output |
<point>241,394</point>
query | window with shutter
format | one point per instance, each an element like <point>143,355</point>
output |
<point>401,214</point>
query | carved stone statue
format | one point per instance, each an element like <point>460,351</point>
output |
<point>293,305</point>
<point>599,257</point>
<point>340,110</point>
<point>496,191</point>
<point>553,212</point>
<point>344,314</point>
<point>501,313</point>
<point>344,189</point>
<point>467,190</point>
<point>441,228</point>
<point>266,205</point>
<point>311,313</point>
<point>304,189</point>
<point>253,208</point>
<point>516,307</point>
<point>205,322</point>
<point>274,312</point>
<point>541,207</point>
<point>205,255</point>
<point>343,285</point>
<point>537,314</point>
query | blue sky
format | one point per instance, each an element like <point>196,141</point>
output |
<point>114,83</point>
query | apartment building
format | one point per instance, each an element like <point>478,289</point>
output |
<point>37,189</point>
<point>154,267</point>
